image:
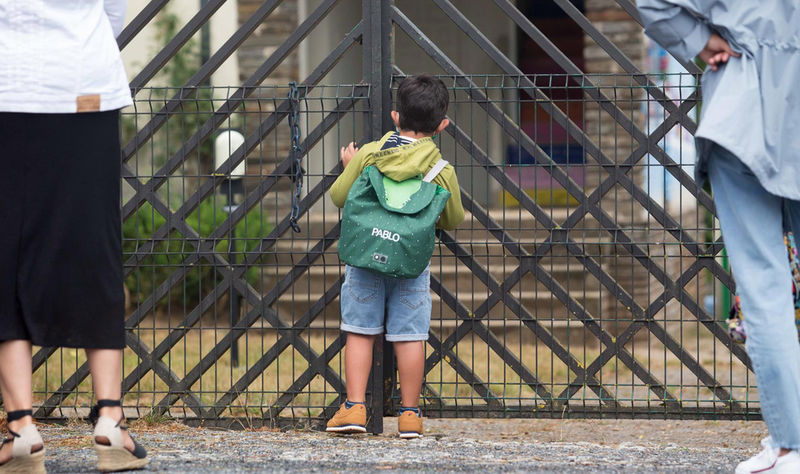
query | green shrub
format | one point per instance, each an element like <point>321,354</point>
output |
<point>171,254</point>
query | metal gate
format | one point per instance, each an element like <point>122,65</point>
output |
<point>580,295</point>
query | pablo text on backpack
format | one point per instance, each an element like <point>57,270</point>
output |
<point>385,234</point>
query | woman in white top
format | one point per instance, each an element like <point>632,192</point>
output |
<point>62,84</point>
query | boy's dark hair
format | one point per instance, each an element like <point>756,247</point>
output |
<point>422,102</point>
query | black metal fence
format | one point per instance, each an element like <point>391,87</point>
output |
<point>588,279</point>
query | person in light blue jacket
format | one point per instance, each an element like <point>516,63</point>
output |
<point>749,148</point>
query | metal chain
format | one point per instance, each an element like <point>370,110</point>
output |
<point>296,154</point>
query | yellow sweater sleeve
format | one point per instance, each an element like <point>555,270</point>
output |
<point>344,182</point>
<point>453,213</point>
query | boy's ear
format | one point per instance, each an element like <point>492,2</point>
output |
<point>396,119</point>
<point>442,126</point>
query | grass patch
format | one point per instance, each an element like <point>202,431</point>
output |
<point>275,384</point>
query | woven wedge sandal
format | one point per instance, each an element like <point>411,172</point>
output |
<point>112,454</point>
<point>28,449</point>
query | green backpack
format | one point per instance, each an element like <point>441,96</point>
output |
<point>388,227</point>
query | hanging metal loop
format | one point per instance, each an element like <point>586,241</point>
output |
<point>296,154</point>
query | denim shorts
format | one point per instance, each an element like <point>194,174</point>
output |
<point>373,304</point>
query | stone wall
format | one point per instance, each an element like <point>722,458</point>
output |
<point>266,39</point>
<point>252,54</point>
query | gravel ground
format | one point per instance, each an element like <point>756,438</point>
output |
<point>486,446</point>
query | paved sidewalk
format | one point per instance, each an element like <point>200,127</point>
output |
<point>457,446</point>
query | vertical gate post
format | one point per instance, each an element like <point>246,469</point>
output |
<point>377,71</point>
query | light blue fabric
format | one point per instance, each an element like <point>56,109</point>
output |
<point>751,105</point>
<point>752,221</point>
<point>367,297</point>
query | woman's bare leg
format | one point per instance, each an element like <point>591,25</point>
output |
<point>106,368</point>
<point>15,382</point>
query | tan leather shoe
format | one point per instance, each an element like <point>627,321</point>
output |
<point>349,421</point>
<point>409,425</point>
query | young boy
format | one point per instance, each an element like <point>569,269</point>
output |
<point>406,303</point>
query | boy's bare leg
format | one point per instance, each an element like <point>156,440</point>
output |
<point>357,365</point>
<point>411,368</point>
<point>15,382</point>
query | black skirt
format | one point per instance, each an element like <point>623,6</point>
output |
<point>61,237</point>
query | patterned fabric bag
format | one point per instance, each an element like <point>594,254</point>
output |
<point>736,324</point>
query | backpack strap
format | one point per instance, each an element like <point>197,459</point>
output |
<point>434,172</point>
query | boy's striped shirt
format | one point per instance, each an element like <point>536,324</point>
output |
<point>397,140</point>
